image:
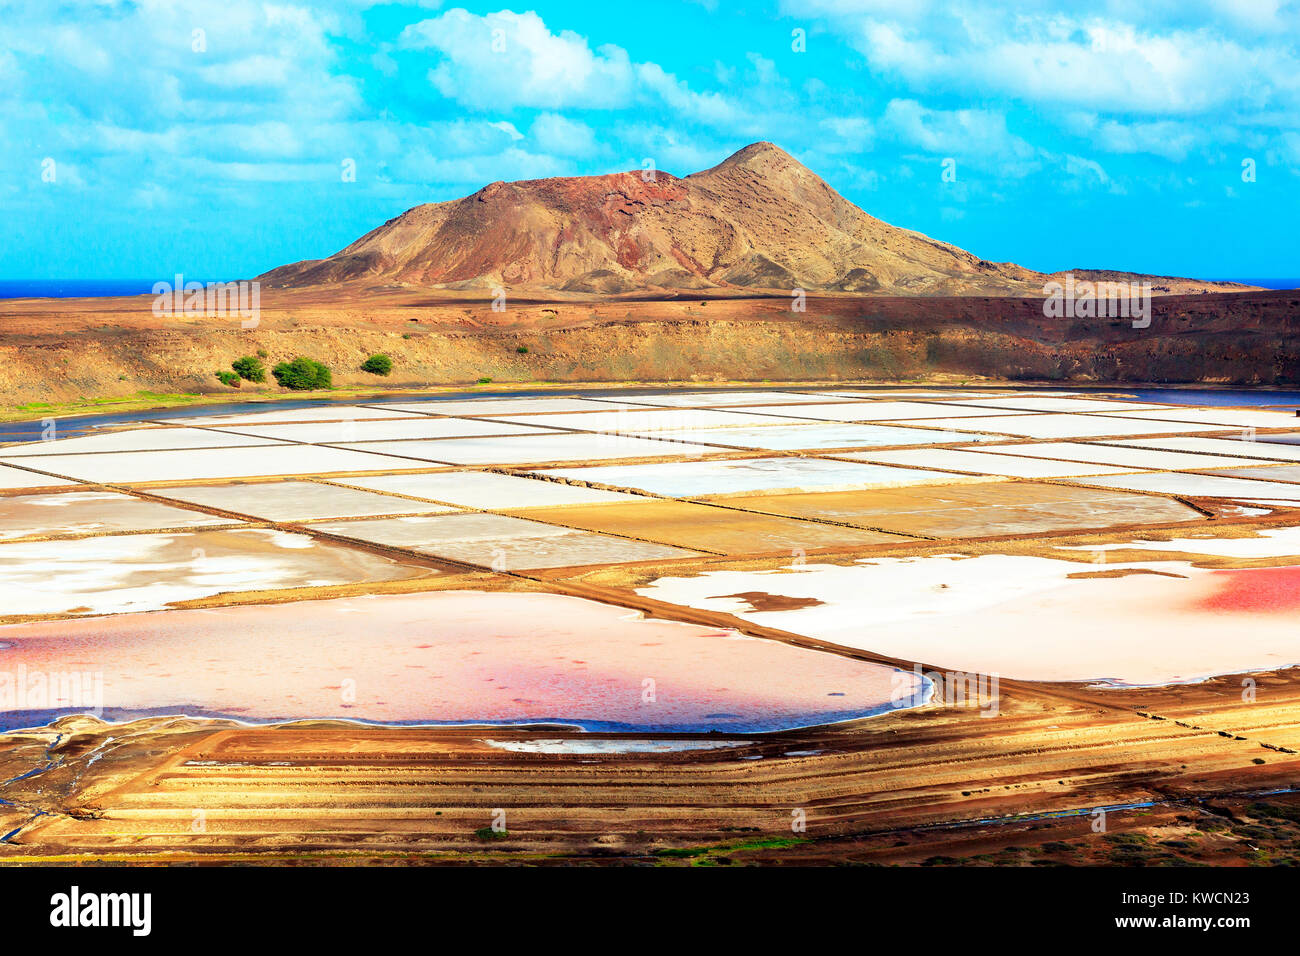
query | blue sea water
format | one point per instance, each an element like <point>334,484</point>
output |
<point>1267,283</point>
<point>76,288</point>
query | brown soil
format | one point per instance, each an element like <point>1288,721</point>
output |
<point>908,787</point>
<point>762,601</point>
<point>62,350</point>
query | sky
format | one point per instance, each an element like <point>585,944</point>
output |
<point>221,138</point>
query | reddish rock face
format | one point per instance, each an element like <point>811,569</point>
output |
<point>759,220</point>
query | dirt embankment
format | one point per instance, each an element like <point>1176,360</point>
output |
<point>64,350</point>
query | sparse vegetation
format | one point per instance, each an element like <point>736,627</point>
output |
<point>715,855</point>
<point>302,374</point>
<point>484,381</point>
<point>487,833</point>
<point>249,368</point>
<point>683,852</point>
<point>522,350</point>
<point>228,378</point>
<point>377,364</point>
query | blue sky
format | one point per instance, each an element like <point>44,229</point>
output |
<point>210,138</point>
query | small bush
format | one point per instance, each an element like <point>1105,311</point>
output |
<point>250,367</point>
<point>522,350</point>
<point>378,364</point>
<point>485,381</point>
<point>262,353</point>
<point>228,378</point>
<point>302,373</point>
<point>487,833</point>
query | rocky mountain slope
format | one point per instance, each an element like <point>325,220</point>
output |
<point>759,221</point>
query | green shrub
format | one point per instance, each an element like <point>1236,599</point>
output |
<point>228,378</point>
<point>485,381</point>
<point>302,373</point>
<point>487,833</point>
<point>378,364</point>
<point>250,367</point>
<point>522,350</point>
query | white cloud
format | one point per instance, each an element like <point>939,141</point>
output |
<point>1154,58</point>
<point>847,134</point>
<point>509,59</point>
<point>260,70</point>
<point>506,60</point>
<point>957,133</point>
<point>668,148</point>
<point>472,172</point>
<point>1171,139</point>
<point>1087,170</point>
<point>282,93</point>
<point>561,136</point>
<point>1286,151</point>
<point>143,64</point>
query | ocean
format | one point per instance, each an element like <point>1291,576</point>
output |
<point>1266,283</point>
<point>75,288</point>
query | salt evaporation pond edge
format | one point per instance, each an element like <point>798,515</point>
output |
<point>708,680</point>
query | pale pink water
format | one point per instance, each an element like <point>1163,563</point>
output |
<point>444,657</point>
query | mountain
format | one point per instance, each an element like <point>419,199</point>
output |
<point>758,221</point>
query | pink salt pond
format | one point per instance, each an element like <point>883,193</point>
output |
<point>1254,590</point>
<point>1124,623</point>
<point>452,657</point>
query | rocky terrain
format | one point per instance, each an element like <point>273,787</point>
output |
<point>758,220</point>
<point>54,351</point>
<point>630,278</point>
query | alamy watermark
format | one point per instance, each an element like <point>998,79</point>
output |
<point>951,688</point>
<point>211,300</point>
<point>75,908</point>
<point>1098,300</point>
<point>22,689</point>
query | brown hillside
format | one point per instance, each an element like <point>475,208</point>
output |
<point>758,221</point>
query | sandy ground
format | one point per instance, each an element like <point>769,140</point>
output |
<point>173,790</point>
<point>56,352</point>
